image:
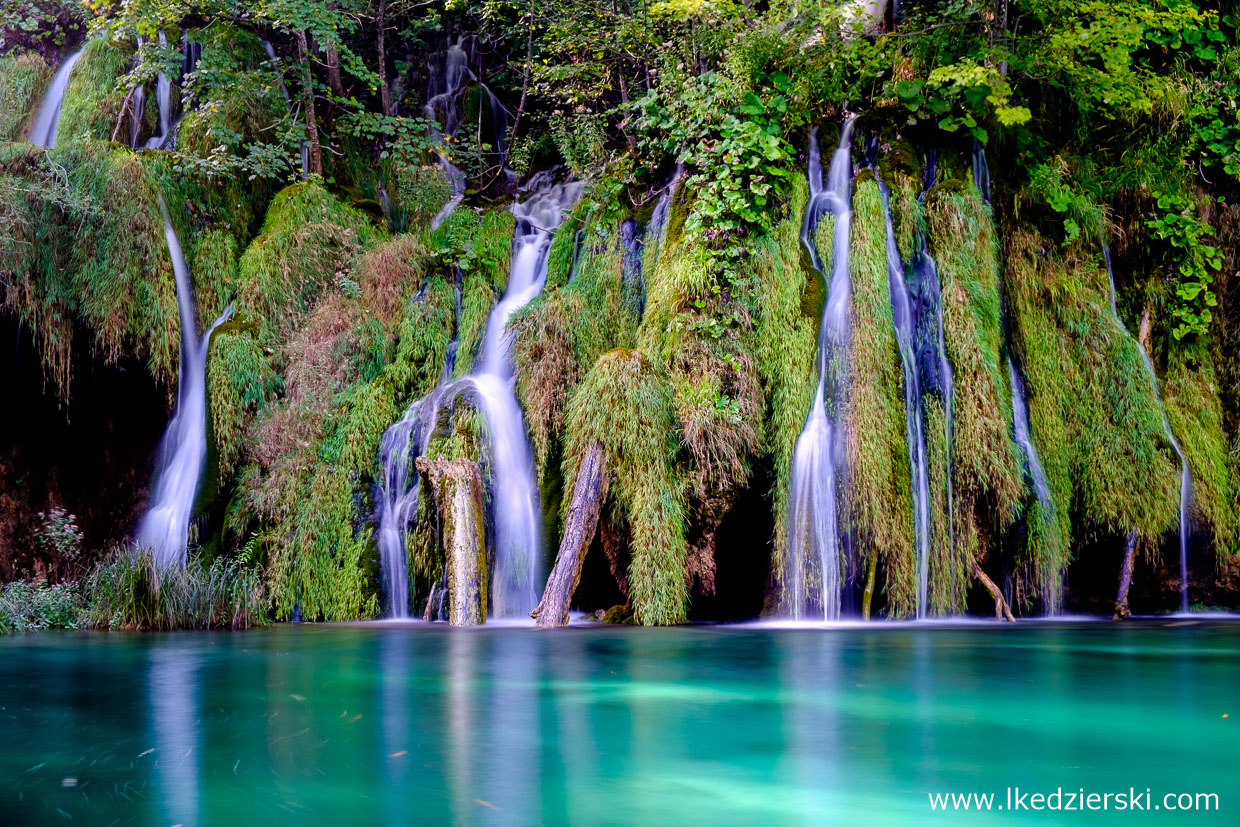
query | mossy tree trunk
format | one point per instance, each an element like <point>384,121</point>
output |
<point>580,527</point>
<point>457,487</point>
<point>312,125</point>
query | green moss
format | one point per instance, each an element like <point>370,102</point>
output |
<point>308,238</point>
<point>987,483</point>
<point>1191,394</point>
<point>213,266</point>
<point>1094,412</point>
<point>626,405</point>
<point>477,299</point>
<point>240,381</point>
<point>878,507</point>
<point>23,79</point>
<point>89,250</point>
<point>92,104</point>
<point>785,344</point>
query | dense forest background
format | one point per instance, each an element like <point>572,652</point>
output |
<point>1029,144</point>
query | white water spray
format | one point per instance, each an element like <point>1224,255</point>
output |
<point>517,571</point>
<point>813,530</point>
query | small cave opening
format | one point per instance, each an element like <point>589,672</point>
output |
<point>597,588</point>
<point>743,548</point>
<point>92,455</point>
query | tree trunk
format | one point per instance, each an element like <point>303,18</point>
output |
<point>385,94</point>
<point>457,488</point>
<point>580,526</point>
<point>312,126</point>
<point>1002,610</point>
<point>1125,576</point>
<point>1143,330</point>
<point>868,595</point>
<point>333,71</point>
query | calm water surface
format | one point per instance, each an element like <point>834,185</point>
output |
<point>381,724</point>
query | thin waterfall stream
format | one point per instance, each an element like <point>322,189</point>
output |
<point>163,98</point>
<point>183,451</point>
<point>43,133</point>
<point>905,324</point>
<point>1186,477</point>
<point>813,528</point>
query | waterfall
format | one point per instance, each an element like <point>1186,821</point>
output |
<point>981,171</point>
<point>165,528</point>
<point>904,320</point>
<point>1186,477</point>
<point>813,531</point>
<point>518,571</point>
<point>163,98</point>
<point>1024,438</point>
<point>400,489</point>
<point>44,131</point>
<point>517,564</point>
<point>275,65</point>
<point>444,87</point>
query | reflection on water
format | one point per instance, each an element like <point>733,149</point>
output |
<point>400,725</point>
<point>174,720</point>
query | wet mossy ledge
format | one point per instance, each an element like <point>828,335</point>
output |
<point>666,365</point>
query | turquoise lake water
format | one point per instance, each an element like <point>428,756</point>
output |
<point>385,724</point>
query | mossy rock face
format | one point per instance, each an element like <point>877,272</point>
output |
<point>92,104</point>
<point>1091,401</point>
<point>619,614</point>
<point>878,507</point>
<point>23,81</point>
<point>626,404</point>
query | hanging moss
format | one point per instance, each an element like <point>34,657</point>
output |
<point>988,486</point>
<point>561,333</point>
<point>1094,411</point>
<point>626,404</point>
<point>878,506</point>
<point>785,347</point>
<point>23,79</point>
<point>240,381</point>
<point>92,104</point>
<point>1196,417</point>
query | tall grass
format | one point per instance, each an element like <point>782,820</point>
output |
<point>30,606</point>
<point>129,591</point>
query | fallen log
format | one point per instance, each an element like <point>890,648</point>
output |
<point>1125,576</point>
<point>1002,610</point>
<point>580,526</point>
<point>457,488</point>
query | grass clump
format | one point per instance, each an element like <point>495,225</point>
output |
<point>23,78</point>
<point>93,99</point>
<point>785,348</point>
<point>1093,407</point>
<point>626,405</point>
<point>307,243</point>
<point>129,591</point>
<point>1195,413</point>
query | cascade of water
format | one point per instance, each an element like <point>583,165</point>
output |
<point>518,573</point>
<point>981,171</point>
<point>44,131</point>
<point>1186,477</point>
<point>398,497</point>
<point>1020,420</point>
<point>905,322</point>
<point>517,570</point>
<point>663,207</point>
<point>813,532</point>
<point>444,87</point>
<point>275,66</point>
<point>165,527</point>
<point>163,98</point>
